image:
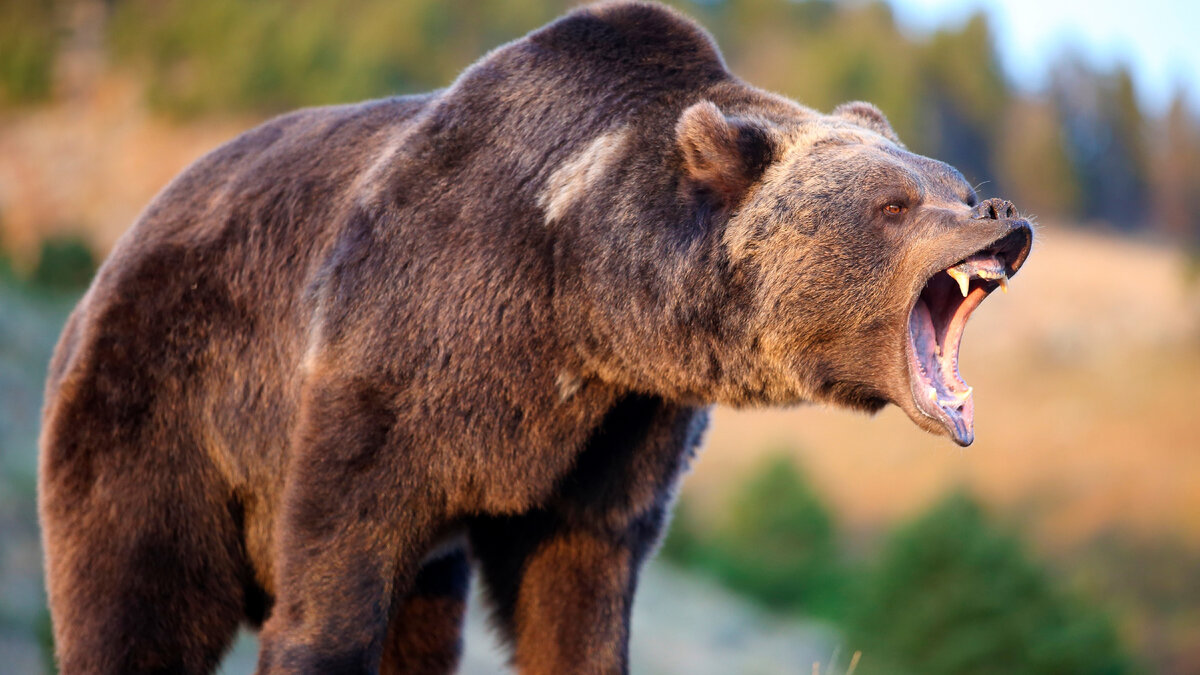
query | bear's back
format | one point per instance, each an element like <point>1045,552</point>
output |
<point>199,313</point>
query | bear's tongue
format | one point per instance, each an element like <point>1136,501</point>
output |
<point>935,327</point>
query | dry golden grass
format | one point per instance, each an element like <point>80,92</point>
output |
<point>89,163</point>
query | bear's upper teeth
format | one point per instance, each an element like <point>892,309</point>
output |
<point>962,277</point>
<point>981,268</point>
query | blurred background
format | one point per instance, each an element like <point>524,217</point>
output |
<point>1066,540</point>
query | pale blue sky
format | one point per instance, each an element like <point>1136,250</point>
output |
<point>1159,39</point>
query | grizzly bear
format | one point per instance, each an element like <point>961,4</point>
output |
<point>361,351</point>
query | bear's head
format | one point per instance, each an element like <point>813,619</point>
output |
<point>860,261</point>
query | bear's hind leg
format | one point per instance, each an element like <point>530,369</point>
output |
<point>141,579</point>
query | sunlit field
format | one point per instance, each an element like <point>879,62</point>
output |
<point>1085,377</point>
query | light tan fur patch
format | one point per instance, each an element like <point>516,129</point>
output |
<point>568,385</point>
<point>571,180</point>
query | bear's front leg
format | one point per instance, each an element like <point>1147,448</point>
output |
<point>563,594</point>
<point>425,633</point>
<point>350,535</point>
<point>562,576</point>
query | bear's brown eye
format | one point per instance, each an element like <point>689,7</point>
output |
<point>894,209</point>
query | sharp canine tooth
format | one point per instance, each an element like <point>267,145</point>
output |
<point>932,394</point>
<point>963,279</point>
<point>1003,282</point>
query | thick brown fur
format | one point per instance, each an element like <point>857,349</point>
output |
<point>357,344</point>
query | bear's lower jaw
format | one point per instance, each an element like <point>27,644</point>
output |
<point>935,329</point>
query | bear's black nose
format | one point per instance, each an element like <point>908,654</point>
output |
<point>994,209</point>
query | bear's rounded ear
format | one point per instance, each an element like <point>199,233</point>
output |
<point>722,155</point>
<point>869,117</point>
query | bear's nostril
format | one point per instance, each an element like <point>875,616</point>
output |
<point>994,209</point>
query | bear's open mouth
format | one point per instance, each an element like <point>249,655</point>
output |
<point>935,329</point>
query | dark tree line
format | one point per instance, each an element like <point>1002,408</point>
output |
<point>1083,149</point>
